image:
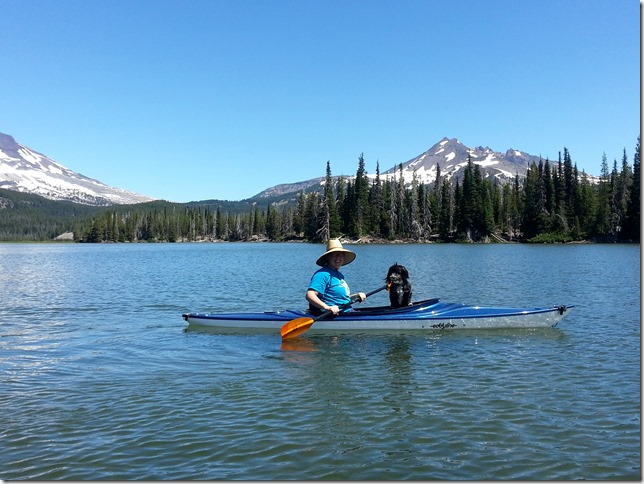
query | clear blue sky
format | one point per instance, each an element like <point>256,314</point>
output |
<point>197,99</point>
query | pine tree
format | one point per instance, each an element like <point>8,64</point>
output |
<point>350,211</point>
<point>446,219</point>
<point>568,181</point>
<point>300,214</point>
<point>329,218</point>
<point>390,202</point>
<point>602,213</point>
<point>534,203</point>
<point>272,227</point>
<point>469,203</point>
<point>377,202</point>
<point>401,226</point>
<point>587,206</point>
<point>632,224</point>
<point>623,194</point>
<point>311,220</point>
<point>416,230</point>
<point>361,199</point>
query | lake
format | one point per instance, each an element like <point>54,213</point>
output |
<point>100,378</point>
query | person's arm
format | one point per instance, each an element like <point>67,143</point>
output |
<point>361,295</point>
<point>313,299</point>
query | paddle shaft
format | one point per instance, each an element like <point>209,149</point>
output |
<point>354,298</point>
<point>376,290</point>
<point>300,325</point>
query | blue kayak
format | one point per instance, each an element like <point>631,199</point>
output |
<point>431,314</point>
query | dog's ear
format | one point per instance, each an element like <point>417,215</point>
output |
<point>405,272</point>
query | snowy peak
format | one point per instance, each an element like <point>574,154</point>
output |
<point>452,156</point>
<point>25,170</point>
<point>449,154</point>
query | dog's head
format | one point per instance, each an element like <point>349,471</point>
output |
<point>397,274</point>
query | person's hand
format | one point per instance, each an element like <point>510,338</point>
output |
<point>361,296</point>
<point>334,309</point>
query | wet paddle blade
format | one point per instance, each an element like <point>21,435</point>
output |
<point>296,327</point>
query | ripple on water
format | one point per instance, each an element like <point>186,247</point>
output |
<point>106,384</point>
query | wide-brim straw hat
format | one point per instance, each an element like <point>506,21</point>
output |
<point>332,246</point>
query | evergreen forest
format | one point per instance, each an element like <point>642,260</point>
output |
<point>553,203</point>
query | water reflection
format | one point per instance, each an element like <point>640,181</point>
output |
<point>398,360</point>
<point>298,344</point>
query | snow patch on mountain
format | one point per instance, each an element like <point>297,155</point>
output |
<point>451,157</point>
<point>25,170</point>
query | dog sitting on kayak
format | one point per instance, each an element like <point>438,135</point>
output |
<point>399,286</point>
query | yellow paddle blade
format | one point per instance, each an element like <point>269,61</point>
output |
<point>296,327</point>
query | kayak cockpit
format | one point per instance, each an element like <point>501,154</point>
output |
<point>424,305</point>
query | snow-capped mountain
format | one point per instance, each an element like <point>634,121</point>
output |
<point>25,170</point>
<point>450,154</point>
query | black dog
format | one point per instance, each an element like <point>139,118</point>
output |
<point>400,287</point>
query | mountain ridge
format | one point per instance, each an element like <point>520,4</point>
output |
<point>24,169</point>
<point>449,153</point>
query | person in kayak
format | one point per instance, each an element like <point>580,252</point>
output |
<point>328,289</point>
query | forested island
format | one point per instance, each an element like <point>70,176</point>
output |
<point>553,203</point>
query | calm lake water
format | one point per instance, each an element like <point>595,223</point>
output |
<point>99,378</point>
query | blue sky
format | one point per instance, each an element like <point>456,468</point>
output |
<point>199,99</point>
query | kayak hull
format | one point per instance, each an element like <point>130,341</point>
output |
<point>425,315</point>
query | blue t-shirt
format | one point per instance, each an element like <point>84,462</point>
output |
<point>331,287</point>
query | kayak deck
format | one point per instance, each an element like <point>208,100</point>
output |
<point>430,314</point>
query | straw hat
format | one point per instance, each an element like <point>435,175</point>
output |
<point>334,245</point>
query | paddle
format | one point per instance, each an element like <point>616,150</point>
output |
<point>298,326</point>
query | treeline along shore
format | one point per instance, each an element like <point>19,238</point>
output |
<point>553,203</point>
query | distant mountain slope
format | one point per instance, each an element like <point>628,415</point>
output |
<point>452,156</point>
<point>288,188</point>
<point>25,170</point>
<point>26,216</point>
<point>449,154</point>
